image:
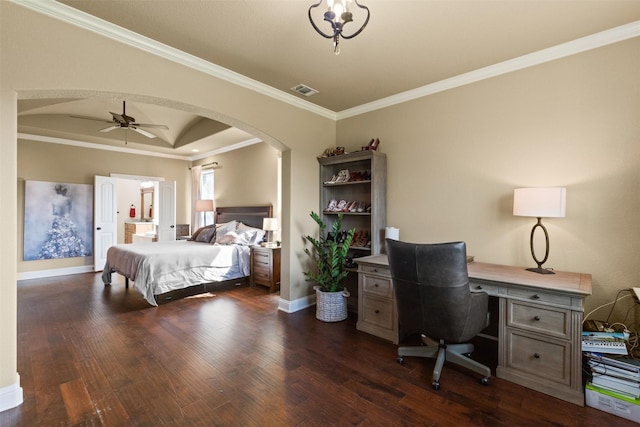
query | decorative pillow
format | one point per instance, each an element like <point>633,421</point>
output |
<point>228,238</point>
<point>224,228</point>
<point>257,233</point>
<point>198,231</point>
<point>207,235</point>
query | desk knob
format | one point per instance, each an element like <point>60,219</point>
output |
<point>375,270</point>
<point>535,296</point>
<point>536,318</point>
<point>536,355</point>
<point>478,287</point>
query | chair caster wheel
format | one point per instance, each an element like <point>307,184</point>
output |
<point>401,360</point>
<point>485,381</point>
<point>435,385</point>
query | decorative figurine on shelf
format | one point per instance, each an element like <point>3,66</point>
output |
<point>132,212</point>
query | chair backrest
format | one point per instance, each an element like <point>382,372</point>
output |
<point>431,284</point>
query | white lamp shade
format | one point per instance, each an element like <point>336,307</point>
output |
<point>270,224</point>
<point>204,205</point>
<point>540,202</point>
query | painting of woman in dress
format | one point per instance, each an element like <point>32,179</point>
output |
<point>58,220</point>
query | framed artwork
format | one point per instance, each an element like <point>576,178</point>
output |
<point>58,220</point>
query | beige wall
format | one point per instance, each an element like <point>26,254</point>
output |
<point>455,157</point>
<point>246,177</point>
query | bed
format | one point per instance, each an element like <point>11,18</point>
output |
<point>216,258</point>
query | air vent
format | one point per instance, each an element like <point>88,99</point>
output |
<point>304,90</point>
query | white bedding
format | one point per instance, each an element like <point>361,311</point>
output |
<point>160,267</point>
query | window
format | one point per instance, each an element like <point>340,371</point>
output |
<point>206,191</point>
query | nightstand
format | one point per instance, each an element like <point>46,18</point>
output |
<point>265,267</point>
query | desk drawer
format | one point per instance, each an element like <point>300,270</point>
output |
<point>378,312</point>
<point>493,290</point>
<point>379,286</point>
<point>375,269</point>
<point>539,357</point>
<point>537,296</point>
<point>545,320</point>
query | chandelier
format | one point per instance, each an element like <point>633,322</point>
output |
<point>338,15</point>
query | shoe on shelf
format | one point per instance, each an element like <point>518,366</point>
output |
<point>341,205</point>
<point>361,207</point>
<point>375,144</point>
<point>343,176</point>
<point>366,147</point>
<point>332,180</point>
<point>331,206</point>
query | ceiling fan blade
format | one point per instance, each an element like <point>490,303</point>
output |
<point>148,125</point>
<point>142,132</point>
<point>110,128</point>
<point>118,117</point>
<point>90,118</point>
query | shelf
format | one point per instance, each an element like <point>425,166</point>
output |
<point>346,213</point>
<point>338,184</point>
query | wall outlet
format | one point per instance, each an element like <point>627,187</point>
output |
<point>636,294</point>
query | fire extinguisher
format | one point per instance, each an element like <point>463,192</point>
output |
<point>132,212</point>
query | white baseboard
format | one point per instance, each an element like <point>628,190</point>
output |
<point>55,272</point>
<point>296,305</point>
<point>11,396</point>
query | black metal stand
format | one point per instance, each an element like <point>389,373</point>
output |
<point>539,269</point>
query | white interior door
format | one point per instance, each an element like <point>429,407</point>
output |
<point>167,211</point>
<point>105,218</point>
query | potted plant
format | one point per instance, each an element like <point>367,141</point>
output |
<point>329,256</point>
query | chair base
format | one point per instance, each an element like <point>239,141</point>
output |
<point>454,353</point>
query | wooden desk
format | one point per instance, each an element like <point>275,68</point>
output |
<point>539,324</point>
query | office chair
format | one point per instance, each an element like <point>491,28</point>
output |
<point>431,285</point>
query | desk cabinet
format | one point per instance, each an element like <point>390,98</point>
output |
<point>376,300</point>
<point>265,267</point>
<point>539,321</point>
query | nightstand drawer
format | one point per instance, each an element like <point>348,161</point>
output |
<point>377,286</point>
<point>378,312</point>
<point>539,357</point>
<point>545,320</point>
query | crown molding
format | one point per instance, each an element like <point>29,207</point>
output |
<point>91,23</point>
<point>594,41</point>
<point>104,28</point>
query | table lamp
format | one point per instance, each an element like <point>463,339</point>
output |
<point>539,202</point>
<point>205,205</point>
<point>269,225</point>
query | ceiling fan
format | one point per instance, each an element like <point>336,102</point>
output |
<point>125,122</point>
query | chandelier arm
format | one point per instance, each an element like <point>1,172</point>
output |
<point>315,27</point>
<point>366,21</point>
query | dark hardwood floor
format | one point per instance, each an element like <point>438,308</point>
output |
<point>90,355</point>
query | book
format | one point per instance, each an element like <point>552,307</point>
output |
<point>604,342</point>
<point>621,362</point>
<point>602,369</point>
<point>629,388</point>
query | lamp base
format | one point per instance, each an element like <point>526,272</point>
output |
<point>540,270</point>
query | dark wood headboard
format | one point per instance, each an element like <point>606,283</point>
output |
<point>249,215</point>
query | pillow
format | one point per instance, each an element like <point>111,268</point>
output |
<point>228,238</point>
<point>257,234</point>
<point>206,236</point>
<point>224,228</point>
<point>198,231</point>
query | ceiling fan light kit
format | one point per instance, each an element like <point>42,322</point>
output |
<point>123,121</point>
<point>338,15</point>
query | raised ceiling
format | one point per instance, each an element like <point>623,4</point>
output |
<point>406,45</point>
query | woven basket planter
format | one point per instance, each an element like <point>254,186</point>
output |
<point>331,306</point>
